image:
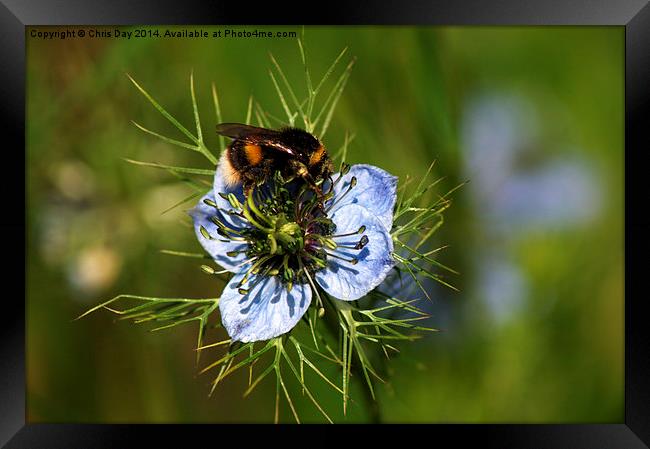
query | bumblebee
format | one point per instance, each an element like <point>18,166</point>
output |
<point>255,154</point>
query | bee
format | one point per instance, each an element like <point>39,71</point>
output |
<point>255,154</point>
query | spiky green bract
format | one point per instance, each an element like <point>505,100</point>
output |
<point>165,312</point>
<point>415,223</point>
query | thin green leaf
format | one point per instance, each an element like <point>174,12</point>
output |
<point>337,91</point>
<point>167,139</point>
<point>329,71</point>
<point>249,110</point>
<point>292,94</point>
<point>195,108</point>
<point>290,116</point>
<point>189,170</point>
<point>184,254</point>
<point>181,202</point>
<point>217,111</point>
<point>164,113</point>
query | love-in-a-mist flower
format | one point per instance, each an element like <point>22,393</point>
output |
<point>283,241</point>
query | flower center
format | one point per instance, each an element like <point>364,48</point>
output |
<point>290,234</point>
<point>283,238</point>
<point>287,237</point>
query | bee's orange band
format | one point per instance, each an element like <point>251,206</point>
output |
<point>316,156</point>
<point>253,153</point>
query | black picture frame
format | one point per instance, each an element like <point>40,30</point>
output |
<point>634,15</point>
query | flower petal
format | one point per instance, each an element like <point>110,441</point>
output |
<point>266,311</point>
<point>345,281</point>
<point>376,190</point>
<point>222,186</point>
<point>216,246</point>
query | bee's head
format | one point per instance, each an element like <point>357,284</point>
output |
<point>311,156</point>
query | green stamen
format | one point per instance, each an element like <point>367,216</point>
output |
<point>352,261</point>
<point>205,233</point>
<point>211,203</point>
<point>353,183</point>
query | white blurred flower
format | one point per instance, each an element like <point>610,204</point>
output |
<point>95,268</point>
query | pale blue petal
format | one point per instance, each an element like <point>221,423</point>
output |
<point>376,190</point>
<point>349,282</point>
<point>220,186</point>
<point>266,311</point>
<point>216,247</point>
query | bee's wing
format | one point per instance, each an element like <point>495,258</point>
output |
<point>243,132</point>
<point>253,134</point>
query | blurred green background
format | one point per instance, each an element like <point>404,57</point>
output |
<point>532,117</point>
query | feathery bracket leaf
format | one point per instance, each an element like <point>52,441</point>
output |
<point>168,312</point>
<point>196,140</point>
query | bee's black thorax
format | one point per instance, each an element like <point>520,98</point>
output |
<point>300,141</point>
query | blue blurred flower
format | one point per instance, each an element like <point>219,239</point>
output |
<point>498,131</point>
<point>519,187</point>
<point>282,240</point>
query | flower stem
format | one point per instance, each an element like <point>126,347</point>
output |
<point>332,322</point>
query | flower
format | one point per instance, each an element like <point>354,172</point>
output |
<point>282,240</point>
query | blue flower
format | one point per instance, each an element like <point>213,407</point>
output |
<point>282,241</point>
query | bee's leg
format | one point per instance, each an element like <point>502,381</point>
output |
<point>317,190</point>
<point>247,187</point>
